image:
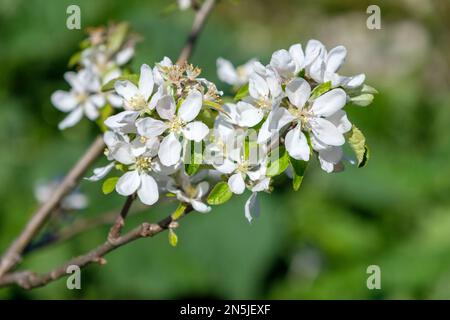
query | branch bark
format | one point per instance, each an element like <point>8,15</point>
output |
<point>29,280</point>
<point>199,22</point>
<point>13,254</point>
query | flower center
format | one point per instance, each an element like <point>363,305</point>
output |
<point>137,102</point>
<point>303,115</point>
<point>242,166</point>
<point>143,164</point>
<point>176,125</point>
<point>264,104</point>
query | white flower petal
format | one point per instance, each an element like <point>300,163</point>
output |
<point>115,100</point>
<point>123,121</point>
<point>64,101</point>
<point>297,145</point>
<point>190,107</point>
<point>226,71</point>
<point>336,58</point>
<point>314,49</point>
<point>72,119</point>
<point>196,131</point>
<point>125,55</point>
<point>340,120</point>
<point>91,110</point>
<point>298,92</point>
<point>249,115</point>
<point>169,150</point>
<point>202,189</point>
<point>353,82</point>
<point>252,207</point>
<point>100,173</point>
<point>148,192</point>
<point>298,56</point>
<point>200,206</point>
<point>326,132</point>
<point>226,166</point>
<point>329,102</point>
<point>236,183</point>
<point>98,100</point>
<point>128,183</point>
<point>166,107</point>
<point>257,86</point>
<point>123,153</point>
<point>126,89</point>
<point>146,81</point>
<point>282,62</point>
<point>149,127</point>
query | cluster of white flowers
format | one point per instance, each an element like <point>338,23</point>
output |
<point>102,59</point>
<point>177,135</point>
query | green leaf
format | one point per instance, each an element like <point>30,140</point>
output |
<point>357,142</point>
<point>277,166</point>
<point>242,92</point>
<point>173,239</point>
<point>363,100</point>
<point>134,78</point>
<point>221,193</point>
<point>368,89</point>
<point>117,37</point>
<point>299,168</point>
<point>109,185</point>
<point>105,112</point>
<point>179,211</point>
<point>320,90</point>
<point>74,59</point>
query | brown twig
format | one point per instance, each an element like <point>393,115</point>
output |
<point>200,19</point>
<point>79,226</point>
<point>12,255</point>
<point>114,232</point>
<point>29,280</point>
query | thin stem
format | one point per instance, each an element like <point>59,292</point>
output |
<point>114,232</point>
<point>12,255</point>
<point>199,22</point>
<point>28,280</point>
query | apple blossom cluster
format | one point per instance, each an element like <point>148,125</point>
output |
<point>102,58</point>
<point>178,135</point>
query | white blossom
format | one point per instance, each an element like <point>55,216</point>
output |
<point>235,76</point>
<point>176,123</point>
<point>84,98</point>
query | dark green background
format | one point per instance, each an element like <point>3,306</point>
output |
<point>315,243</point>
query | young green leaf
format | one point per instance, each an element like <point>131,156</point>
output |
<point>363,100</point>
<point>320,90</point>
<point>299,168</point>
<point>74,59</point>
<point>242,92</point>
<point>173,239</point>
<point>277,166</point>
<point>221,193</point>
<point>179,211</point>
<point>117,37</point>
<point>357,142</point>
<point>109,185</point>
<point>105,112</point>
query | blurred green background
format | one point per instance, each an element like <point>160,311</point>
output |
<point>314,243</point>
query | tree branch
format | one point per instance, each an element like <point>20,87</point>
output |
<point>199,22</point>
<point>29,280</point>
<point>12,255</point>
<point>114,232</point>
<point>79,226</point>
